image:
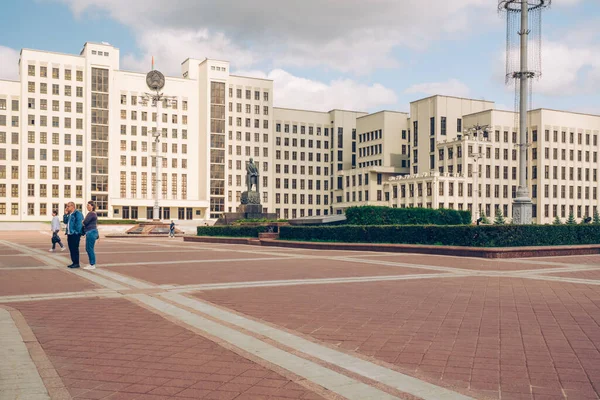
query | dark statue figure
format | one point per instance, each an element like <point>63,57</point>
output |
<point>252,176</point>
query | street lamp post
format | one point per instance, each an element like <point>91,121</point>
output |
<point>156,81</point>
<point>477,131</point>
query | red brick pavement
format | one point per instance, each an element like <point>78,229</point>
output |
<point>591,259</point>
<point>19,261</point>
<point>459,262</point>
<point>518,339</point>
<point>114,349</point>
<point>15,282</point>
<point>242,271</point>
<point>595,275</point>
<point>175,255</point>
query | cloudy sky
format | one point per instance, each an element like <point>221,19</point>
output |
<point>324,54</point>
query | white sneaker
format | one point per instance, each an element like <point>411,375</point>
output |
<point>51,250</point>
<point>89,267</point>
<point>62,248</point>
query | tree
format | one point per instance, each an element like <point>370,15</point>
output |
<point>499,220</point>
<point>596,218</point>
<point>484,218</point>
<point>571,220</point>
<point>557,221</point>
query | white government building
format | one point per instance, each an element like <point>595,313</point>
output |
<point>75,128</point>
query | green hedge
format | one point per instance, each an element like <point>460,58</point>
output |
<point>373,215</point>
<point>463,235</point>
<point>231,231</point>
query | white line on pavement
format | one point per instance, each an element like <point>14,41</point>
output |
<point>391,378</point>
<point>331,380</point>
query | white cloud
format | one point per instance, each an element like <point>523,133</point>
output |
<point>171,47</point>
<point>9,63</point>
<point>452,87</point>
<point>348,36</point>
<point>296,92</point>
<point>568,69</point>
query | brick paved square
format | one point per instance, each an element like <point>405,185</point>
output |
<point>248,270</point>
<point>593,275</point>
<point>33,281</point>
<point>498,335</point>
<point>112,347</point>
<point>480,264</point>
<point>14,261</point>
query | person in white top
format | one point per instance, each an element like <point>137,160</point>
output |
<point>55,227</point>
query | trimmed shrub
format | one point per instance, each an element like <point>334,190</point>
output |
<point>374,215</point>
<point>231,231</point>
<point>463,235</point>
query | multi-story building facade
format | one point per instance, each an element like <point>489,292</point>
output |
<point>76,127</point>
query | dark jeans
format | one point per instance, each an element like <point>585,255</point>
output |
<point>90,241</point>
<point>73,241</point>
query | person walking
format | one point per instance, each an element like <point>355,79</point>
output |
<point>74,221</point>
<point>55,227</point>
<point>90,230</point>
<point>172,229</point>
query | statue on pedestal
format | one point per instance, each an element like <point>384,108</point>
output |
<point>252,176</point>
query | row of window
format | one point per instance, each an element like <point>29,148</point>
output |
<point>55,105</point>
<point>165,117</point>
<point>302,169</point>
<point>171,103</point>
<point>177,182</point>
<point>294,154</point>
<point>248,137</point>
<point>248,123</point>
<point>55,89</point>
<point>15,105</point>
<point>14,121</point>
<point>563,137</point>
<point>294,184</point>
<point>563,192</point>
<point>133,130</point>
<point>238,151</point>
<point>133,146</point>
<point>144,162</point>
<point>238,94</point>
<point>563,173</point>
<point>42,190</point>
<point>301,199</point>
<point>302,212</point>
<point>55,73</point>
<point>43,155</point>
<point>303,142</point>
<point>43,172</point>
<point>238,165</point>
<point>248,108</point>
<point>374,135</point>
<point>563,155</point>
<point>302,129</point>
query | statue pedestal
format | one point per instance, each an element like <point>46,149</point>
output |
<point>250,208</point>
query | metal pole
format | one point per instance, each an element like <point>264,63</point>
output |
<point>522,206</point>
<point>156,211</point>
<point>523,189</point>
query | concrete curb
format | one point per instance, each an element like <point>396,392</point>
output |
<point>478,252</point>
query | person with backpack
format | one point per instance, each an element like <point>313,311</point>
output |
<point>172,229</point>
<point>55,228</point>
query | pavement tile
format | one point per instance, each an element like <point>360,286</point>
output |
<point>39,281</point>
<point>100,324</point>
<point>487,334</point>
